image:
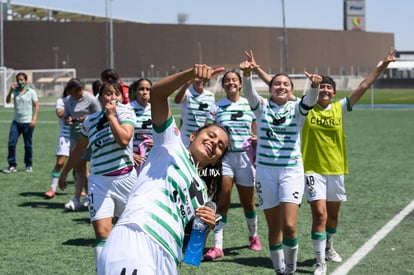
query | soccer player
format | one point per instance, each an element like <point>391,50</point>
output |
<point>233,113</point>
<point>62,146</point>
<point>196,102</point>
<point>80,104</point>
<point>279,174</point>
<point>108,134</point>
<point>324,155</point>
<point>140,102</point>
<point>149,235</point>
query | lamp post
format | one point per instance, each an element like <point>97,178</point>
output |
<point>281,43</point>
<point>285,40</point>
<point>109,34</point>
<point>55,51</point>
<point>200,53</point>
<point>2,35</point>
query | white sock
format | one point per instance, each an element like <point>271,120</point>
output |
<point>278,260</point>
<point>319,247</point>
<point>54,183</point>
<point>291,257</point>
<point>218,235</point>
<point>252,226</point>
<point>329,241</point>
<point>97,251</point>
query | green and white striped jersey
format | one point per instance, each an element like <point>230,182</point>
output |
<point>194,111</point>
<point>106,154</point>
<point>167,192</point>
<point>236,117</point>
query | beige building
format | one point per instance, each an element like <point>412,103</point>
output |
<point>156,50</point>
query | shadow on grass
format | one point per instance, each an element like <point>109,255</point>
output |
<point>264,262</point>
<point>82,220</point>
<point>38,204</point>
<point>39,194</point>
<point>32,194</point>
<point>50,205</point>
<point>308,262</point>
<point>231,254</point>
<point>80,242</point>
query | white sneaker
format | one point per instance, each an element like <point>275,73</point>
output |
<point>85,201</point>
<point>10,169</point>
<point>333,256</point>
<point>73,205</point>
<point>320,269</point>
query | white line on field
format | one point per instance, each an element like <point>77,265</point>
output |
<point>371,243</point>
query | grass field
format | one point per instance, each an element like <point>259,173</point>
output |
<point>39,237</point>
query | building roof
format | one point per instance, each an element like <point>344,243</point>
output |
<point>402,65</point>
<point>45,13</point>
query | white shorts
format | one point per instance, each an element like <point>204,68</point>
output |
<point>279,184</point>
<point>129,250</point>
<point>325,187</point>
<point>108,195</point>
<point>63,146</point>
<point>239,166</point>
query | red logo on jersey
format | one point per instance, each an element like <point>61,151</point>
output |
<point>176,131</point>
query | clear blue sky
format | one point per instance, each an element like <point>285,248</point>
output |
<point>390,16</point>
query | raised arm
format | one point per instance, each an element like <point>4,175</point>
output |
<point>160,91</point>
<point>311,96</point>
<point>256,67</point>
<point>370,79</point>
<point>248,88</point>
<point>179,97</point>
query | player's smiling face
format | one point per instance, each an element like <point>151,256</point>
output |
<point>231,83</point>
<point>326,92</point>
<point>280,89</point>
<point>208,145</point>
<point>198,85</point>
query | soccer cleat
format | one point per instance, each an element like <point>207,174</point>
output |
<point>255,244</point>
<point>50,194</point>
<point>73,205</point>
<point>29,169</point>
<point>320,269</point>
<point>333,256</point>
<point>10,169</point>
<point>85,202</point>
<point>213,253</point>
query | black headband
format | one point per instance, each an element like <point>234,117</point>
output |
<point>328,80</point>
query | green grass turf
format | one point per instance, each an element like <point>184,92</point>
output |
<point>40,237</point>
